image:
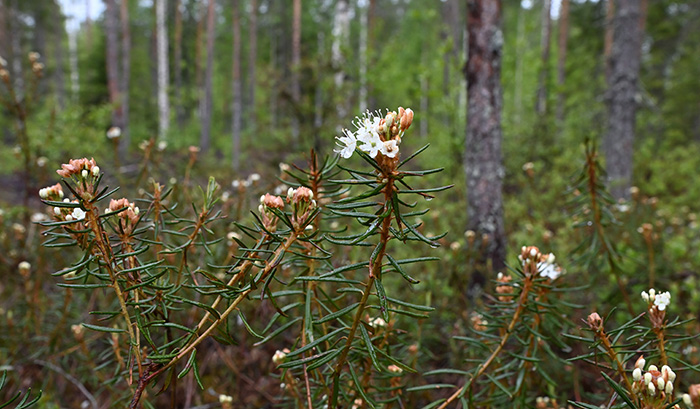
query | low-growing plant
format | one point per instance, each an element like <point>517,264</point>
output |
<point>171,285</point>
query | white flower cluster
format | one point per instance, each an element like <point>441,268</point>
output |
<point>366,138</point>
<point>652,381</point>
<point>548,269</point>
<point>660,300</point>
<point>377,322</point>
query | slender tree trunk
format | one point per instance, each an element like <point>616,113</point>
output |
<point>274,42</point>
<point>372,48</point>
<point>541,106</point>
<point>252,64</point>
<point>561,62</point>
<point>163,71</point>
<point>199,39</point>
<point>16,54</point>
<point>88,25</point>
<point>206,100</point>
<point>363,57</point>
<point>296,67</point>
<point>341,32</point>
<point>236,87</point>
<point>609,28</point>
<point>177,65</point>
<point>4,31</point>
<point>520,39</point>
<point>126,75</point>
<point>483,159</point>
<point>112,62</point>
<point>59,74</point>
<point>73,63</point>
<point>625,60</point>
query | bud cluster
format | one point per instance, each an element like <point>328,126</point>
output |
<point>536,262</point>
<point>53,193</point>
<point>657,303</point>
<point>68,214</point>
<point>84,173</point>
<point>504,289</point>
<point>128,216</point>
<point>303,203</point>
<point>279,356</point>
<point>652,384</point>
<point>267,202</point>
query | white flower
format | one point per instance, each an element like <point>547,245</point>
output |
<point>652,389</point>
<point>225,398</point>
<point>371,144</point>
<point>391,148</point>
<point>645,296</point>
<point>377,322</point>
<point>77,214</point>
<point>549,270</point>
<point>114,132</point>
<point>662,300</point>
<point>95,171</point>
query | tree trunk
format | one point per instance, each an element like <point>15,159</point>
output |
<point>177,65</point>
<point>206,100</point>
<point>625,59</point>
<point>163,71</point>
<point>363,57</point>
<point>59,75</point>
<point>112,49</point>
<point>609,28</point>
<point>73,63</point>
<point>126,76</point>
<point>483,160</point>
<point>296,67</point>
<point>561,62</point>
<point>236,88</point>
<point>252,64</point>
<point>341,32</point>
<point>541,106</point>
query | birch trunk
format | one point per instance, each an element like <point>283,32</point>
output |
<point>236,88</point>
<point>625,60</point>
<point>177,65</point>
<point>163,71</point>
<point>483,158</point>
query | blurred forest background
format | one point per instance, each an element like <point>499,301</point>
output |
<point>255,84</point>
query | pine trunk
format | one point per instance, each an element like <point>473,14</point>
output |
<point>126,75</point>
<point>236,87</point>
<point>625,60</point>
<point>483,159</point>
<point>206,100</point>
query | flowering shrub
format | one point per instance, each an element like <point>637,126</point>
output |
<point>344,320</point>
